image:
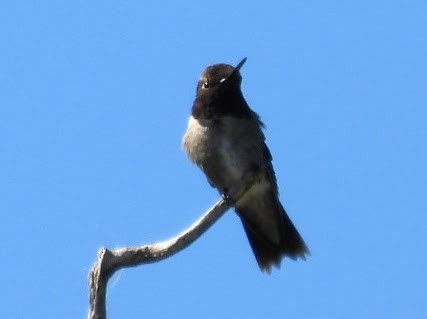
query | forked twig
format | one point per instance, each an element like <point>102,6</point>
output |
<point>109,261</point>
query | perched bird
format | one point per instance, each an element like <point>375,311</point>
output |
<point>224,138</point>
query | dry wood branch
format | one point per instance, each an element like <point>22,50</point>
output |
<point>109,261</point>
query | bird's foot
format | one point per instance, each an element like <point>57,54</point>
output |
<point>227,198</point>
<point>232,195</point>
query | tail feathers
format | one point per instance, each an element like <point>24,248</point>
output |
<point>268,253</point>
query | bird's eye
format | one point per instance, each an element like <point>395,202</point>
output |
<point>205,85</point>
<point>222,80</point>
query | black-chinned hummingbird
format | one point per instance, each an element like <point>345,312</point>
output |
<point>224,138</point>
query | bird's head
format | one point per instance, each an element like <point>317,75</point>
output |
<point>218,92</point>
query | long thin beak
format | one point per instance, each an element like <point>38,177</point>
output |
<point>237,69</point>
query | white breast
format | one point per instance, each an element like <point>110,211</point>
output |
<point>195,138</point>
<point>218,149</point>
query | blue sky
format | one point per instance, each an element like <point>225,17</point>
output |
<point>94,99</point>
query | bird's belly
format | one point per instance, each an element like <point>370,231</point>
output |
<point>233,160</point>
<point>220,156</point>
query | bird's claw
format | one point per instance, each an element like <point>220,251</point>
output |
<point>227,198</point>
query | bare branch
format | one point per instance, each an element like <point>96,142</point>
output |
<point>109,261</point>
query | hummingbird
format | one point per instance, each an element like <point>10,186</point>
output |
<point>225,139</point>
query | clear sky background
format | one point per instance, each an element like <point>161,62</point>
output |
<point>94,100</point>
